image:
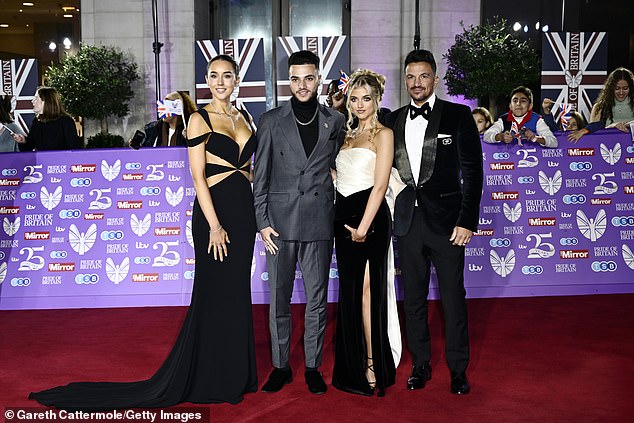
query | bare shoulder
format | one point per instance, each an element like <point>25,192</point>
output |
<point>197,125</point>
<point>384,134</point>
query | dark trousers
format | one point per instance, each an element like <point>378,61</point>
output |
<point>417,250</point>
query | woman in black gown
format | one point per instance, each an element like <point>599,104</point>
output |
<point>213,359</point>
<point>364,359</point>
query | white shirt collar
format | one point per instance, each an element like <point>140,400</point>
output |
<point>431,100</point>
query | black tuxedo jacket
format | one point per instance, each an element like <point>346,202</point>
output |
<point>450,182</point>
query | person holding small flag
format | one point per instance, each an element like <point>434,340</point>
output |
<point>521,123</point>
<point>566,118</point>
<point>173,112</point>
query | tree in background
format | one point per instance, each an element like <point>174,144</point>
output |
<point>489,60</point>
<point>95,83</point>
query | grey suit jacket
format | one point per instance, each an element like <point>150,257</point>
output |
<point>294,194</point>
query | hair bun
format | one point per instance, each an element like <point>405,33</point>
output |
<point>367,73</point>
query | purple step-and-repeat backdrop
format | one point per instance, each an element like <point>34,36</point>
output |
<point>556,221</point>
<point>108,228</point>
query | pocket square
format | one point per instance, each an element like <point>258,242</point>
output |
<point>445,139</point>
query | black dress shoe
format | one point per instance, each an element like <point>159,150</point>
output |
<point>459,383</point>
<point>277,379</point>
<point>420,375</point>
<point>315,382</point>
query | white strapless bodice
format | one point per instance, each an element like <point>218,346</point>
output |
<point>355,170</point>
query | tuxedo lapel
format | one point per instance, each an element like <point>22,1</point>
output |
<point>401,159</point>
<point>430,145</point>
<point>289,130</point>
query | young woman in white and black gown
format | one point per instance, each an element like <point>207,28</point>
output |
<point>213,359</point>
<point>368,339</point>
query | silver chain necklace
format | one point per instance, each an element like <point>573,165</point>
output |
<point>311,119</point>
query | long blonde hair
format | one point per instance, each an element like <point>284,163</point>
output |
<point>375,84</point>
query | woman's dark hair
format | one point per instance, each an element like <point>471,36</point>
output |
<point>225,58</point>
<point>53,108</point>
<point>5,109</point>
<point>581,122</point>
<point>420,56</point>
<point>606,100</point>
<point>485,114</point>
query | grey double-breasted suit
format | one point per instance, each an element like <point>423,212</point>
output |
<point>294,195</point>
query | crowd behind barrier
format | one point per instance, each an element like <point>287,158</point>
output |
<point>111,228</point>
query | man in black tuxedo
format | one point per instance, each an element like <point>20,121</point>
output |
<point>438,156</point>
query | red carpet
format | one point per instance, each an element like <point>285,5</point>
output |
<point>549,359</point>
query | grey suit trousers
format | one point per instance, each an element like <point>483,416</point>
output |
<point>314,262</point>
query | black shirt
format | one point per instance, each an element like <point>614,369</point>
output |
<point>58,134</point>
<point>304,112</point>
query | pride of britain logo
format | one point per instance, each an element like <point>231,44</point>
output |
<point>504,265</point>
<point>592,228</point>
<point>512,213</point>
<point>550,185</point>
<point>110,172</point>
<point>117,272</point>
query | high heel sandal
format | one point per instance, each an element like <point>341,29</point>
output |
<point>370,368</point>
<point>372,383</point>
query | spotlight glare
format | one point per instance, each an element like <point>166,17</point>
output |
<point>537,26</point>
<point>545,28</point>
<point>525,28</point>
<point>517,26</point>
<point>52,46</point>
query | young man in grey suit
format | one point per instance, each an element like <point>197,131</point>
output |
<point>438,155</point>
<point>294,207</point>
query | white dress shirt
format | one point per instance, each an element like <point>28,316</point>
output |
<point>415,137</point>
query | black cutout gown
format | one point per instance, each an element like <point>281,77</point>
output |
<point>213,359</point>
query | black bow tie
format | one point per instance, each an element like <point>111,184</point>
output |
<point>424,111</point>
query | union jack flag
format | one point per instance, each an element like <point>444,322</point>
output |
<point>169,108</point>
<point>334,53</point>
<point>249,54</point>
<point>515,132</point>
<point>574,67</point>
<point>19,79</point>
<point>344,80</point>
<point>564,115</point>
